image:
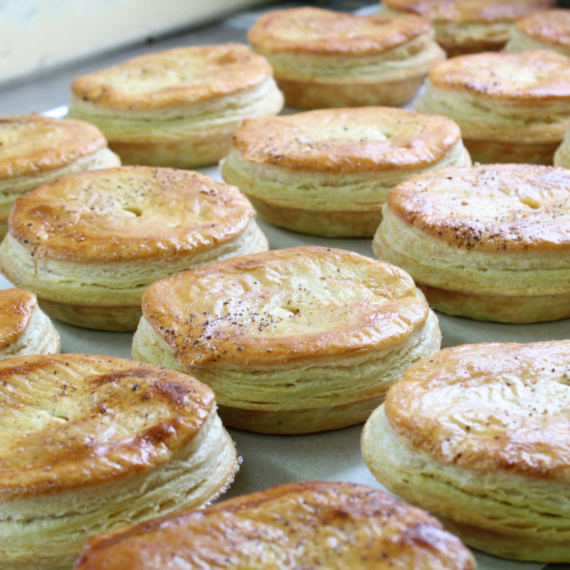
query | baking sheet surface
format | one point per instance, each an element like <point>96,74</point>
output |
<point>330,456</point>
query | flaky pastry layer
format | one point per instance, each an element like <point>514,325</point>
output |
<point>319,32</point>
<point>107,296</point>
<point>463,27</point>
<point>502,97</point>
<point>315,384</point>
<point>169,78</point>
<point>490,208</point>
<point>348,141</point>
<point>327,59</point>
<point>288,305</point>
<point>287,334</point>
<point>174,123</point>
<point>12,188</point>
<point>477,435</point>
<point>31,145</point>
<point>129,214</point>
<point>35,150</point>
<point>32,333</point>
<point>467,37</point>
<point>328,172</point>
<point>110,284</point>
<point>177,108</point>
<point>481,507</point>
<point>48,531</point>
<point>184,136</point>
<point>83,244</point>
<point>332,203</point>
<point>502,256</point>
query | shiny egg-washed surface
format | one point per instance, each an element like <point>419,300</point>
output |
<point>346,141</point>
<point>490,407</point>
<point>30,144</point>
<point>309,525</point>
<point>24,327</point>
<point>173,77</point>
<point>478,435</point>
<point>16,307</point>
<point>85,419</point>
<point>316,31</point>
<point>284,306</point>
<point>129,213</point>
<point>539,75</point>
<point>493,208</point>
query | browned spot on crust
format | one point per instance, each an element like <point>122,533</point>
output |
<point>176,393</point>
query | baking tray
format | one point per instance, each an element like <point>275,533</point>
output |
<point>331,456</point>
<point>270,460</point>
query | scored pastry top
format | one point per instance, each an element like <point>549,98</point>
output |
<point>326,32</point>
<point>528,76</point>
<point>129,213</point>
<point>75,420</point>
<point>506,207</point>
<point>178,76</point>
<point>489,407</point>
<point>283,306</point>
<point>30,144</point>
<point>367,139</point>
<point>16,308</point>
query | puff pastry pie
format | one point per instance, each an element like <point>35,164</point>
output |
<point>292,341</point>
<point>24,327</point>
<point>88,245</point>
<point>36,149</point>
<point>547,29</point>
<point>297,525</point>
<point>478,435</point>
<point>90,443</point>
<point>328,172</point>
<point>469,26</point>
<point>178,107</point>
<point>486,242</point>
<point>511,107</point>
<point>322,58</point>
